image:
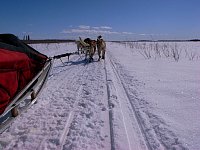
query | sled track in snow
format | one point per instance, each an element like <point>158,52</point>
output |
<point>55,72</point>
<point>135,114</point>
<point>70,119</point>
<point>71,77</point>
<point>110,111</point>
<point>71,115</point>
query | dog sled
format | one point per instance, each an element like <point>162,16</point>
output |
<point>23,74</point>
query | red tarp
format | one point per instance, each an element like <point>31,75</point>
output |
<point>16,70</point>
<point>19,63</point>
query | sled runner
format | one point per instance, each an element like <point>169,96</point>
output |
<point>23,74</point>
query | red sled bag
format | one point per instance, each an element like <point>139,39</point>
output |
<point>19,63</point>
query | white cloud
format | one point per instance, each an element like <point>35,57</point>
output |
<point>84,27</point>
<point>102,28</point>
<point>89,31</point>
<point>106,27</point>
<point>24,32</point>
<point>143,34</point>
<point>129,33</point>
<point>152,34</point>
<point>95,30</point>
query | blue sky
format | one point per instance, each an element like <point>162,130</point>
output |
<point>114,19</point>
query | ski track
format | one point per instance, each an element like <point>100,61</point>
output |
<point>111,126</point>
<point>154,129</point>
<point>119,100</point>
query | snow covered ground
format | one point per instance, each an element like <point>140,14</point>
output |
<point>130,101</point>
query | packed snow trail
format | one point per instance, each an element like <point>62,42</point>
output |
<point>76,111</point>
<point>89,129</point>
<point>131,122</point>
<point>99,106</point>
<point>70,113</point>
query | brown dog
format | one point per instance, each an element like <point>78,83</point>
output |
<point>101,47</point>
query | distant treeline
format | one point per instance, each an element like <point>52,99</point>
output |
<point>65,41</point>
<point>193,40</point>
<point>46,41</point>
